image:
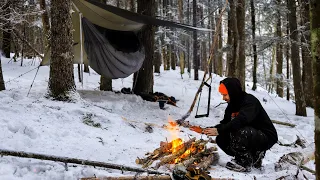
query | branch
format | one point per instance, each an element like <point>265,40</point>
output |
<point>17,34</point>
<point>283,123</point>
<point>76,161</point>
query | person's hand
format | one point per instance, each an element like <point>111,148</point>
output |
<point>197,129</point>
<point>211,131</point>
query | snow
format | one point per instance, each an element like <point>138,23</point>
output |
<point>36,124</point>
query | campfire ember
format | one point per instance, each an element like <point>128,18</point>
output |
<point>192,152</point>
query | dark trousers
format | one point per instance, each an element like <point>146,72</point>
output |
<point>244,144</point>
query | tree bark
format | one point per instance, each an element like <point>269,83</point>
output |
<point>143,79</point>
<point>307,71</point>
<point>196,57</point>
<point>254,46</point>
<point>230,66</point>
<point>241,15</point>
<point>105,84</point>
<point>2,85</point>
<point>235,46</point>
<point>45,23</point>
<point>315,48</point>
<point>288,60</point>
<point>61,80</point>
<point>295,59</point>
<point>279,56</point>
<point>7,28</point>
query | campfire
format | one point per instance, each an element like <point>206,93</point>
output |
<point>180,153</point>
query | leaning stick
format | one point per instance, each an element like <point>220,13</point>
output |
<point>17,34</point>
<point>184,117</point>
<point>283,123</point>
<point>76,161</point>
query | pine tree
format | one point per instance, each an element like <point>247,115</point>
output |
<point>61,81</point>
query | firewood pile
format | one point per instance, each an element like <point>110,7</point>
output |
<point>190,153</point>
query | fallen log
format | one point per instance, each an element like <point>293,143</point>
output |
<point>208,161</point>
<point>162,177</point>
<point>166,177</point>
<point>76,161</point>
<point>283,123</point>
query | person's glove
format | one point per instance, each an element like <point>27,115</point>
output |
<point>197,129</point>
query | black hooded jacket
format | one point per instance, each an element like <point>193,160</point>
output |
<point>247,111</point>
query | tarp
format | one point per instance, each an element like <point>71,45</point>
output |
<point>110,45</point>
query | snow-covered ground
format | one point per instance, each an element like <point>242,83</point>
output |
<point>35,124</point>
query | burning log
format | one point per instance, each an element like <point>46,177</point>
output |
<point>179,151</point>
<point>198,156</point>
<point>208,161</point>
<point>164,149</point>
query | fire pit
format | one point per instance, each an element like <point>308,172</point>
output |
<point>179,154</point>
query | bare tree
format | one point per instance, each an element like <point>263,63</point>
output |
<point>2,86</point>
<point>241,13</point>
<point>61,81</point>
<point>143,79</point>
<point>279,54</point>
<point>196,57</point>
<point>306,55</point>
<point>295,59</point>
<point>254,45</point>
<point>315,40</point>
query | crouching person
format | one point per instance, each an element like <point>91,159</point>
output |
<point>246,131</point>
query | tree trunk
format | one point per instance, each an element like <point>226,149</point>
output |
<point>173,58</point>
<point>220,53</point>
<point>315,48</point>
<point>7,28</point>
<point>143,79</point>
<point>295,59</point>
<point>254,46</point>
<point>61,80</point>
<point>196,57</point>
<point>188,41</point>
<point>132,6</point>
<point>45,23</point>
<point>241,15</point>
<point>279,75</point>
<point>230,66</point>
<point>235,49</point>
<point>306,56</point>
<point>288,60</point>
<point>157,61</point>
<point>272,72</point>
<point>2,86</point>
<point>105,83</point>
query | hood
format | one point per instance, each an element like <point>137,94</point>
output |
<point>233,86</point>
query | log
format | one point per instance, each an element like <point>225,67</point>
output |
<point>208,161</point>
<point>162,177</point>
<point>198,156</point>
<point>283,123</point>
<point>142,178</point>
<point>181,149</point>
<point>76,161</point>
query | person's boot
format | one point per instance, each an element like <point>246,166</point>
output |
<point>257,159</point>
<point>241,163</point>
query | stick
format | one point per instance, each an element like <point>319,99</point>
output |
<point>166,177</point>
<point>283,123</point>
<point>206,69</point>
<point>75,161</point>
